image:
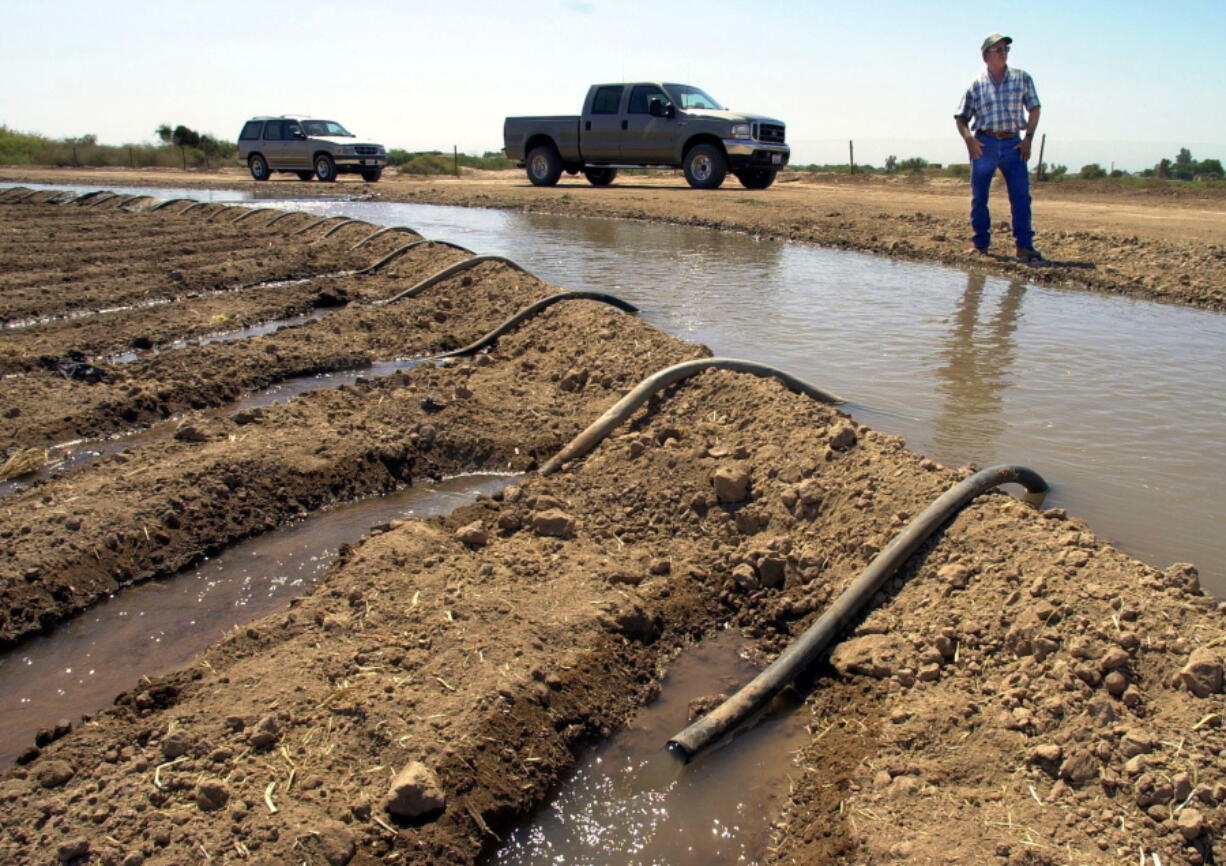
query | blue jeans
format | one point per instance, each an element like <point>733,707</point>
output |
<point>1000,153</point>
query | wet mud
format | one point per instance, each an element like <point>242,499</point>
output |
<point>1021,692</point>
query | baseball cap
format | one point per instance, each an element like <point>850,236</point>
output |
<point>993,38</point>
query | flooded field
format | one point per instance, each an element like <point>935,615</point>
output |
<point>436,686</point>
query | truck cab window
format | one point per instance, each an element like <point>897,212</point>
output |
<point>641,96</point>
<point>607,100</point>
<point>273,130</point>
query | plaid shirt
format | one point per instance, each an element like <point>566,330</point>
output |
<point>998,107</point>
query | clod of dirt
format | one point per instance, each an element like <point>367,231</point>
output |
<point>1202,675</point>
<point>415,793</point>
<point>873,655</point>
<point>731,484</point>
<point>212,796</point>
<point>473,535</point>
<point>553,523</point>
<point>54,773</point>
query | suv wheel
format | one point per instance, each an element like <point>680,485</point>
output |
<point>371,175</point>
<point>544,165</point>
<point>258,167</point>
<point>325,168</point>
<point>705,166</point>
<point>305,175</point>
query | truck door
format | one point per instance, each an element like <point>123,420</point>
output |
<point>600,133</point>
<point>647,139</point>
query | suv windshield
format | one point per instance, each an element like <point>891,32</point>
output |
<point>325,127</point>
<point>686,96</point>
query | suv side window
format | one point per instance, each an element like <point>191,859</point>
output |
<point>251,130</point>
<point>607,100</point>
<point>292,126</point>
<point>273,130</point>
<point>640,96</point>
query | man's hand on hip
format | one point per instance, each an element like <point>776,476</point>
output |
<point>1024,148</point>
<point>974,148</point>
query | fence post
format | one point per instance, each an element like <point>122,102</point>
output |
<point>851,155</point>
<point>1042,144</point>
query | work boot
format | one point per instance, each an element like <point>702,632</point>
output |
<point>1029,255</point>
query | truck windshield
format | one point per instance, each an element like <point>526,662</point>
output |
<point>325,127</point>
<point>686,96</point>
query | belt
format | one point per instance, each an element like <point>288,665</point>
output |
<point>996,134</point>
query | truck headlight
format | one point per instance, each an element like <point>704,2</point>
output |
<point>741,130</point>
<point>346,151</point>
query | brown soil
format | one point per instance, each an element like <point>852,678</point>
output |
<point>1021,692</point>
<point>1160,243</point>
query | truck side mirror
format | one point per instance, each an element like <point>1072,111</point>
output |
<point>660,108</point>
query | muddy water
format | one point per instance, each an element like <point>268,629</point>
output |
<point>631,804</point>
<point>1117,402</point>
<point>159,626</point>
<point>66,455</point>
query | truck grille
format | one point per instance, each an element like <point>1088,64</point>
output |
<point>367,151</point>
<point>770,133</point>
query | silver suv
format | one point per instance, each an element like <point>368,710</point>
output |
<point>307,146</point>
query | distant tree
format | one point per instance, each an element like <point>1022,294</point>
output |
<point>165,133</point>
<point>1057,171</point>
<point>185,137</point>
<point>1163,168</point>
<point>1184,157</point>
<point>1210,167</point>
<point>891,163</point>
<point>90,140</point>
<point>1093,171</point>
<point>1116,172</point>
<point>915,164</point>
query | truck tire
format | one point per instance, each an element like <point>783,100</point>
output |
<point>544,166</point>
<point>325,168</point>
<point>600,176</point>
<point>756,178</point>
<point>371,175</point>
<point>305,174</point>
<point>705,166</point>
<point>258,166</point>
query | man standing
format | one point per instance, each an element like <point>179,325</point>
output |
<point>1002,103</point>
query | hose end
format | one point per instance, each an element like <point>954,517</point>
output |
<point>678,751</point>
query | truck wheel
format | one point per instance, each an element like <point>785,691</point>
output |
<point>325,168</point>
<point>756,178</point>
<point>544,166</point>
<point>600,176</point>
<point>305,175</point>
<point>705,166</point>
<point>258,167</point>
<point>371,175</point>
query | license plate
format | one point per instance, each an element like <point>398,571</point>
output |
<point>776,158</point>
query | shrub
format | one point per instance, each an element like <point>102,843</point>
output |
<point>914,165</point>
<point>958,169</point>
<point>1093,171</point>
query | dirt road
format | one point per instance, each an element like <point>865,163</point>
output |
<point>1020,693</point>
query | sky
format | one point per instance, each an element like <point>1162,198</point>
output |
<point>1123,83</point>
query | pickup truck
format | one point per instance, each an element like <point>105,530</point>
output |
<point>649,124</point>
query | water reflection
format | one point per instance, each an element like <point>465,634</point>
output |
<point>974,374</point>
